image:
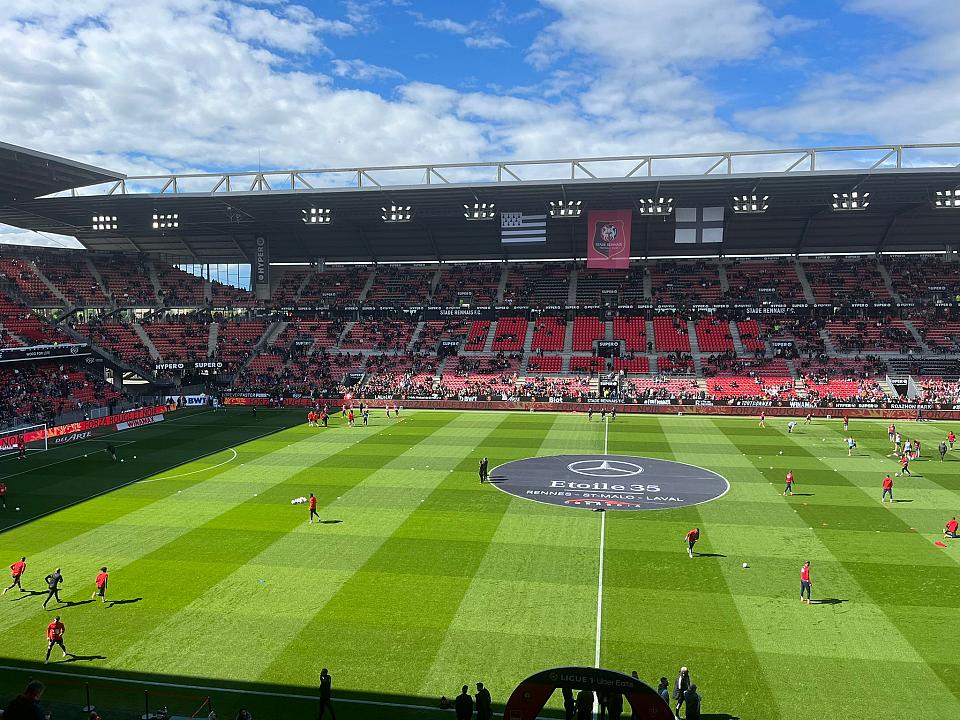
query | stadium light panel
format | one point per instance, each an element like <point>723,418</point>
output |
<point>656,207</point>
<point>750,204</point>
<point>947,199</point>
<point>397,213</point>
<point>317,216</point>
<point>104,222</point>
<point>164,221</point>
<point>480,211</point>
<point>566,208</point>
<point>845,202</point>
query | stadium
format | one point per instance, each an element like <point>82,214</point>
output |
<point>623,349</point>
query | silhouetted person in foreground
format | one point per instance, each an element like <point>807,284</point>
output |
<point>692,700</point>
<point>615,706</point>
<point>463,704</point>
<point>484,709</point>
<point>584,705</point>
<point>569,704</point>
<point>26,705</point>
<point>326,688</point>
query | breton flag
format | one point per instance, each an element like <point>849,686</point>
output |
<point>699,225</point>
<point>518,227</point>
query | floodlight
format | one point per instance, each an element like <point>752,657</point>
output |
<point>947,199</point>
<point>104,222</point>
<point>565,208</point>
<point>317,216</point>
<point>480,211</point>
<point>397,213</point>
<point>660,206</point>
<point>750,204</point>
<point>850,201</point>
<point>163,221</point>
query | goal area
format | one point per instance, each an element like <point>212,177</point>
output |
<point>32,437</point>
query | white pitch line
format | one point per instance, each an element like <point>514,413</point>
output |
<point>603,525</point>
<point>192,472</point>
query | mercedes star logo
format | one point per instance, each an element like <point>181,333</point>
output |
<point>605,468</point>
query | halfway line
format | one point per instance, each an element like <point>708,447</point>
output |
<point>603,525</point>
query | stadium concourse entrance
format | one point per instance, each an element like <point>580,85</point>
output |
<point>532,694</point>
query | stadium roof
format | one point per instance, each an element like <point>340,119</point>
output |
<point>219,216</point>
<point>26,174</point>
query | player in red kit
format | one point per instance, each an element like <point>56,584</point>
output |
<point>350,417</point>
<point>891,432</point>
<point>21,450</point>
<point>691,539</point>
<point>905,466</point>
<point>101,583</point>
<point>3,495</point>
<point>16,572</point>
<point>951,438</point>
<point>55,632</point>
<point>887,488</point>
<point>805,582</point>
<point>846,423</point>
<point>313,508</point>
<point>789,479</point>
<point>950,529</point>
<point>763,420</point>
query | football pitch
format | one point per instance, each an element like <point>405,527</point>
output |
<point>420,579</point>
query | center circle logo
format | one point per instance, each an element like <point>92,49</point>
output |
<point>609,482</point>
<point>605,468</point>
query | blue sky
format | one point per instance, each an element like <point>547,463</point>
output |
<point>203,85</point>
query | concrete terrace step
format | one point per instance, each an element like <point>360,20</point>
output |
<point>737,340</point>
<point>212,340</point>
<point>572,288</point>
<point>491,334</point>
<point>908,324</point>
<point>804,282</point>
<point>49,285</point>
<point>528,340</point>
<point>145,339</point>
<point>502,285</point>
<point>99,278</point>
<point>568,339</point>
<point>416,334</point>
<point>694,347</point>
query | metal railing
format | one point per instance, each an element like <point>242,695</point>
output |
<point>865,158</point>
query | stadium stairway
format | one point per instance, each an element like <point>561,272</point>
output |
<point>695,348</point>
<point>828,343</point>
<point>145,339</point>
<point>908,324</point>
<point>434,282</point>
<point>735,333</point>
<point>502,286</point>
<point>347,327</point>
<point>568,339</point>
<point>887,389</point>
<point>724,284</point>
<point>572,290</point>
<point>647,292</point>
<point>154,280</point>
<point>416,334</point>
<point>649,334</point>
<point>491,334</point>
<point>363,294</point>
<point>888,282</point>
<point>792,367</point>
<point>212,339</point>
<point>804,282</point>
<point>607,330</point>
<point>528,340</point>
<point>50,286</point>
<point>99,278</point>
<point>301,288</point>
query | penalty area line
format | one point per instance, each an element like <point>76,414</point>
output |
<point>192,472</point>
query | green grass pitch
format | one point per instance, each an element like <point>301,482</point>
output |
<point>430,580</point>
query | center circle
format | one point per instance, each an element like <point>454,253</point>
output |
<point>609,482</point>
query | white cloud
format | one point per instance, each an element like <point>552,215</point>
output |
<point>486,42</point>
<point>16,236</point>
<point>363,71</point>
<point>904,96</point>
<point>444,25</point>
